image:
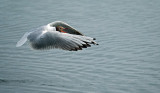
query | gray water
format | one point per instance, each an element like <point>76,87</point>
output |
<point>127,59</point>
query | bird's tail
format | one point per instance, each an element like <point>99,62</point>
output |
<point>22,40</point>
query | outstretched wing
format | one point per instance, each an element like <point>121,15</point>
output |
<point>72,31</point>
<point>68,28</point>
<point>23,39</point>
<point>65,41</point>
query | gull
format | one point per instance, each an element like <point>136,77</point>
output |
<point>57,35</point>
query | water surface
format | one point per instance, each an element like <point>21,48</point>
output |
<point>126,61</point>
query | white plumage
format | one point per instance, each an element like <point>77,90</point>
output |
<point>53,36</point>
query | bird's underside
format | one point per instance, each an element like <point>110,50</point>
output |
<point>64,41</point>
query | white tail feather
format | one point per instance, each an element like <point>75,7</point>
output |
<point>22,40</point>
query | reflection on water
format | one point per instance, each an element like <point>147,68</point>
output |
<point>127,59</point>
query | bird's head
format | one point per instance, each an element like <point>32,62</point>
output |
<point>61,29</point>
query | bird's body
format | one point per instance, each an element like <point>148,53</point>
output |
<point>56,35</point>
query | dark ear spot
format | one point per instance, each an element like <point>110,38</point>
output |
<point>57,29</point>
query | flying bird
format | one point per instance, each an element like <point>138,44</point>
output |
<point>57,34</point>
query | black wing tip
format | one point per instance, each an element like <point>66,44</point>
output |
<point>86,45</point>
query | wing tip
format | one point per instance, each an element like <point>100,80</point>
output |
<point>17,45</point>
<point>23,39</point>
